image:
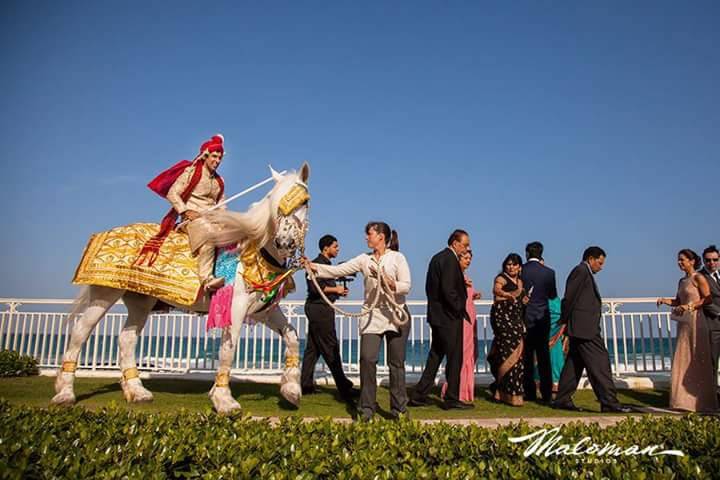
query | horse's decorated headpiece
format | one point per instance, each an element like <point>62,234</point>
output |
<point>294,199</point>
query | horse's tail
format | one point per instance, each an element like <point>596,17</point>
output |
<point>81,303</point>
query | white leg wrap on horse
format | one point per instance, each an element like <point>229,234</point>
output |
<point>290,380</point>
<point>100,299</point>
<point>132,387</point>
<point>220,394</point>
<point>64,391</point>
<point>139,307</point>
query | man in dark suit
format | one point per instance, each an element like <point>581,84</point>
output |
<point>322,338</point>
<point>582,312</point>
<point>711,270</point>
<point>446,297</point>
<point>539,282</point>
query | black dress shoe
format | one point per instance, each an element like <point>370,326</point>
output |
<point>567,406</point>
<point>308,391</point>
<point>395,415</point>
<point>418,402</point>
<point>350,394</point>
<point>457,405</point>
<point>615,409</point>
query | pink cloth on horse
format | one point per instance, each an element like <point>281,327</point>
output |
<point>467,372</point>
<point>219,315</point>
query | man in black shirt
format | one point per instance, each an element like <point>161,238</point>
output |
<point>322,338</point>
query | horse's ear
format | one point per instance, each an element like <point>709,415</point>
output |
<point>275,175</point>
<point>304,172</point>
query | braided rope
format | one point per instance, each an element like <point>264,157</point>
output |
<point>364,311</point>
<point>401,319</point>
<point>402,316</point>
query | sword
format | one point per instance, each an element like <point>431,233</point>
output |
<point>236,196</point>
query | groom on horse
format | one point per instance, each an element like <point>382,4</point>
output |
<point>191,188</point>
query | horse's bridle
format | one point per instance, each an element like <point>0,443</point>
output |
<point>291,203</point>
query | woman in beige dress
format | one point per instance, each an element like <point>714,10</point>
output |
<point>692,387</point>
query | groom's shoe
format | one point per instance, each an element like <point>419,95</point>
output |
<point>615,409</point>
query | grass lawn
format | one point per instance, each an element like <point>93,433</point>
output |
<point>264,399</point>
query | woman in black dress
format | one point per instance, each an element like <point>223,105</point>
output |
<point>506,319</point>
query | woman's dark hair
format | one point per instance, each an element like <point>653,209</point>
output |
<point>690,255</point>
<point>391,236</point>
<point>394,243</point>
<point>512,258</point>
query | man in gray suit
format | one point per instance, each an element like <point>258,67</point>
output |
<point>582,312</point>
<point>711,270</point>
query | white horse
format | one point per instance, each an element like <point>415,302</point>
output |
<point>277,223</point>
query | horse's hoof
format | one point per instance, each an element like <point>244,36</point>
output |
<point>63,380</point>
<point>143,396</point>
<point>292,393</point>
<point>65,398</point>
<point>228,409</point>
<point>134,392</point>
<point>222,400</point>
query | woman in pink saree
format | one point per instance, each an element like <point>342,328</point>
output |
<point>467,372</point>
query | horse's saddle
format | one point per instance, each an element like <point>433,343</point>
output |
<point>109,260</point>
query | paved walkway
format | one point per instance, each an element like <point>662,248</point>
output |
<point>602,420</point>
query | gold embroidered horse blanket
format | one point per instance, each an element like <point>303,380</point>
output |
<point>109,261</point>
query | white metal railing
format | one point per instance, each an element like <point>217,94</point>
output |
<point>640,339</point>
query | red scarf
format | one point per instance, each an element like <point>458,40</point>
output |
<point>151,249</point>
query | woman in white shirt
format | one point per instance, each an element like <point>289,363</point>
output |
<point>389,319</point>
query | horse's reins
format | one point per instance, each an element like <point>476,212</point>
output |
<point>402,318</point>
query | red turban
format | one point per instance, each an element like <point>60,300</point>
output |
<point>215,144</point>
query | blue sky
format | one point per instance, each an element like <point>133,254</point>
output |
<point>572,123</point>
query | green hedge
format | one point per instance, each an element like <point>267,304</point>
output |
<point>119,443</point>
<point>12,364</point>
